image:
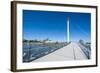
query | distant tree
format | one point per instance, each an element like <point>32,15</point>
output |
<point>25,41</point>
<point>88,43</point>
<point>45,40</point>
<point>36,40</point>
<point>81,41</point>
<point>30,41</point>
<point>56,42</point>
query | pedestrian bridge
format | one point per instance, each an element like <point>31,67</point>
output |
<point>69,52</point>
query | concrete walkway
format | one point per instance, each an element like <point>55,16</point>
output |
<point>69,52</point>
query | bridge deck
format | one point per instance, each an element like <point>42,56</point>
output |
<point>69,52</point>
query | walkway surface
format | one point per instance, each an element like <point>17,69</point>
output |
<point>69,52</point>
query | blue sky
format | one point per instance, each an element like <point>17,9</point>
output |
<point>53,25</point>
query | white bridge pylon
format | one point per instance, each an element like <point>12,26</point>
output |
<point>68,30</point>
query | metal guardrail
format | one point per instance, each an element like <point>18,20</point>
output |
<point>33,52</point>
<point>87,51</point>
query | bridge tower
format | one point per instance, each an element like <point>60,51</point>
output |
<point>68,30</point>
